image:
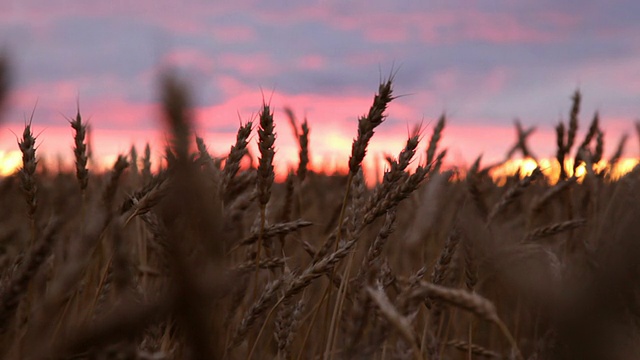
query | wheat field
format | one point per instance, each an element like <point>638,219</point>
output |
<point>206,259</point>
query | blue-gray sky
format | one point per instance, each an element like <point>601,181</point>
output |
<point>483,63</point>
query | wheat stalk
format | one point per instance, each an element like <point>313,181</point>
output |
<point>553,229</point>
<point>401,323</point>
<point>27,174</point>
<point>16,289</point>
<point>472,302</point>
<point>303,140</point>
<point>474,348</point>
<point>513,193</point>
<point>237,152</point>
<point>80,151</point>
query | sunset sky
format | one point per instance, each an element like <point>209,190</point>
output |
<point>483,63</point>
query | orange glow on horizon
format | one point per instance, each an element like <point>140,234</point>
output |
<point>551,169</point>
<point>10,162</point>
<point>330,146</point>
<point>331,164</point>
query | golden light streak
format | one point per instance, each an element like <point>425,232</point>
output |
<point>10,162</point>
<point>551,169</point>
<point>624,166</point>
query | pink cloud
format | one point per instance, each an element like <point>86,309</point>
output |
<point>460,24</point>
<point>118,113</point>
<point>189,58</point>
<point>369,57</point>
<point>622,74</point>
<point>177,17</point>
<point>454,83</point>
<point>311,62</point>
<point>45,94</point>
<point>451,26</point>
<point>496,80</point>
<point>447,81</point>
<point>375,23</point>
<point>231,86</point>
<point>614,128</point>
<point>467,142</point>
<point>436,26</point>
<point>107,144</point>
<point>234,33</point>
<point>500,28</point>
<point>249,64</point>
<point>386,33</point>
<point>560,20</point>
<point>62,98</point>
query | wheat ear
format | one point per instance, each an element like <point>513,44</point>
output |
<point>469,301</point>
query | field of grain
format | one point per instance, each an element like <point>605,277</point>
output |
<point>204,259</point>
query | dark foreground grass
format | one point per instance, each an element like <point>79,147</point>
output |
<point>205,260</point>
